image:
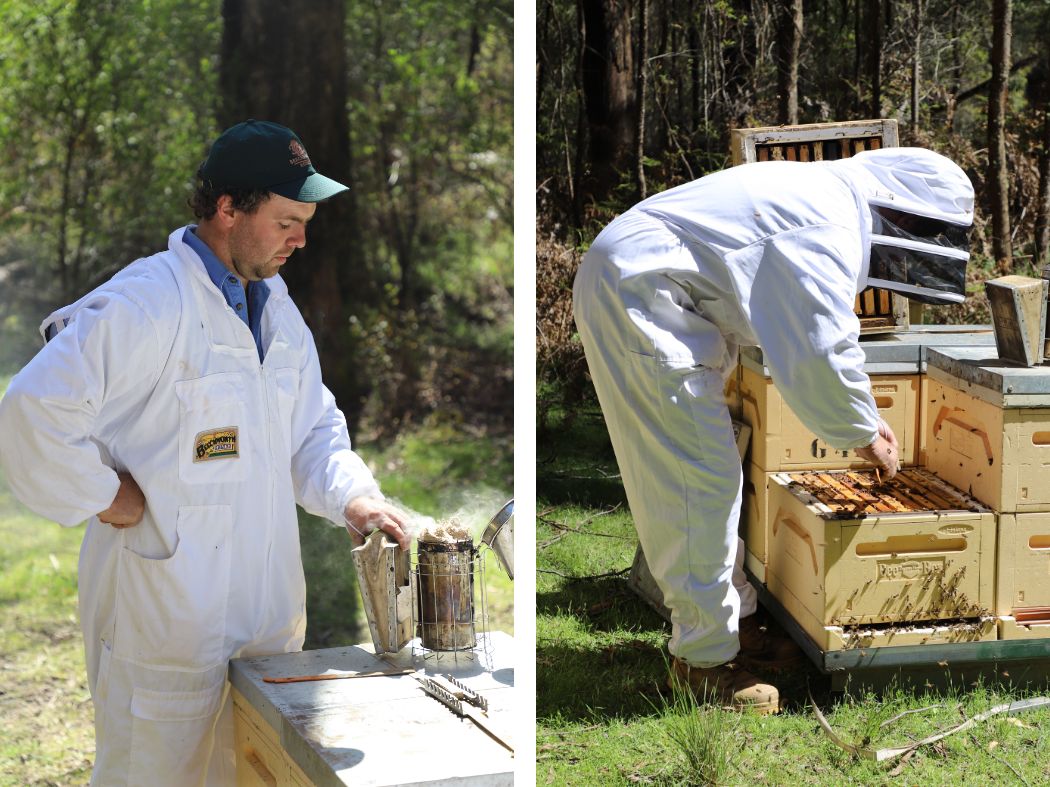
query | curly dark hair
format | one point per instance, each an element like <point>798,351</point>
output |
<point>205,198</point>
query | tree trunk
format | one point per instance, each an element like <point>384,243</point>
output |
<point>643,89</point>
<point>1037,91</point>
<point>1042,217</point>
<point>858,53</point>
<point>789,41</point>
<point>916,67</point>
<point>875,57</point>
<point>998,180</point>
<point>286,62</point>
<point>609,92</point>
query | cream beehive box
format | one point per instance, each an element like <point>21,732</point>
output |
<point>987,428</point>
<point>1023,576</point>
<point>754,519</point>
<point>780,441</point>
<point>897,562</point>
<point>894,362</point>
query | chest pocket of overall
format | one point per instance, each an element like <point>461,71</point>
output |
<point>214,439</point>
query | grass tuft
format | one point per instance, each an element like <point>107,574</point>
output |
<point>706,736</point>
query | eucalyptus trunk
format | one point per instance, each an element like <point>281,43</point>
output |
<point>998,177</point>
<point>287,62</point>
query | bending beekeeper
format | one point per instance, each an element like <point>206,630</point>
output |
<point>179,409</point>
<point>770,254</point>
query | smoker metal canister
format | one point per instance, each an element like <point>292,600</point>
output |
<point>445,573</point>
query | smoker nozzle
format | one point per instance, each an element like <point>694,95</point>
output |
<point>499,536</point>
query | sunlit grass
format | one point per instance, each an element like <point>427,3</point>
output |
<point>605,716</point>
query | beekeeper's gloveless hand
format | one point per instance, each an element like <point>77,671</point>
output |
<point>365,514</point>
<point>883,453</point>
<point>127,507</point>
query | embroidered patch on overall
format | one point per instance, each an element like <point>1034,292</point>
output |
<point>215,444</point>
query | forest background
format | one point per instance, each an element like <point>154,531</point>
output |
<point>636,96</point>
<point>107,108</point>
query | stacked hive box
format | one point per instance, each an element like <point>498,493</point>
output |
<point>780,442</point>
<point>987,431</point>
<point>860,562</point>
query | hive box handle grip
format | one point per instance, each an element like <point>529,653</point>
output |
<point>946,415</point>
<point>796,528</point>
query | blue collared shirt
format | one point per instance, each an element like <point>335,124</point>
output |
<point>248,306</point>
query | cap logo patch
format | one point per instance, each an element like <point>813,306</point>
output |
<point>216,444</point>
<point>299,157</point>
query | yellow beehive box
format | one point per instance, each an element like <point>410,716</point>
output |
<point>1011,628</point>
<point>846,551</point>
<point>900,634</point>
<point>1023,576</point>
<point>780,441</point>
<point>754,519</point>
<point>999,454</point>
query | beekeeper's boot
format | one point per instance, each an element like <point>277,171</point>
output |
<point>729,684</point>
<point>765,647</point>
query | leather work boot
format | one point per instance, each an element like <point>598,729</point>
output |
<point>729,684</point>
<point>766,648</point>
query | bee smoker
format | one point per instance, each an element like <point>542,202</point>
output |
<point>449,578</point>
<point>437,594</point>
<point>445,572</point>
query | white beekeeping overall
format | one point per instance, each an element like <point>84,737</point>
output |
<point>770,254</point>
<point>153,373</point>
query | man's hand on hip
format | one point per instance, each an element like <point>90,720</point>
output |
<point>365,514</point>
<point>127,507</point>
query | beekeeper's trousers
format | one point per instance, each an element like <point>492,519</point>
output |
<point>673,438</point>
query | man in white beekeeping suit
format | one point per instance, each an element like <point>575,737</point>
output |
<point>179,409</point>
<point>770,254</point>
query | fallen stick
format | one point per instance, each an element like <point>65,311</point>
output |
<point>881,755</point>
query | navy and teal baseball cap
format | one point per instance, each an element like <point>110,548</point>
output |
<point>258,154</point>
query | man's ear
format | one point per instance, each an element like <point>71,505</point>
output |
<point>224,210</point>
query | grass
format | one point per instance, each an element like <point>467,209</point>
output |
<point>605,716</point>
<point>45,704</point>
<point>44,700</point>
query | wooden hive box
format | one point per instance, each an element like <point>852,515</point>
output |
<point>894,362</point>
<point>846,554</point>
<point>879,310</point>
<point>1023,576</point>
<point>988,428</point>
<point>780,441</point>
<point>754,519</point>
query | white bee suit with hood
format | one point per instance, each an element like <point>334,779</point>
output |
<point>149,373</point>
<point>770,254</point>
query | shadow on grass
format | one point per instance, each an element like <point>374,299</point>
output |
<point>621,670</point>
<point>621,680</point>
<point>606,604</point>
<point>575,461</point>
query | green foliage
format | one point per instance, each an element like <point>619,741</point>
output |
<point>431,135</point>
<point>706,736</point>
<point>105,113</point>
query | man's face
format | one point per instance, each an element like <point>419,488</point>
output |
<point>261,242</point>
